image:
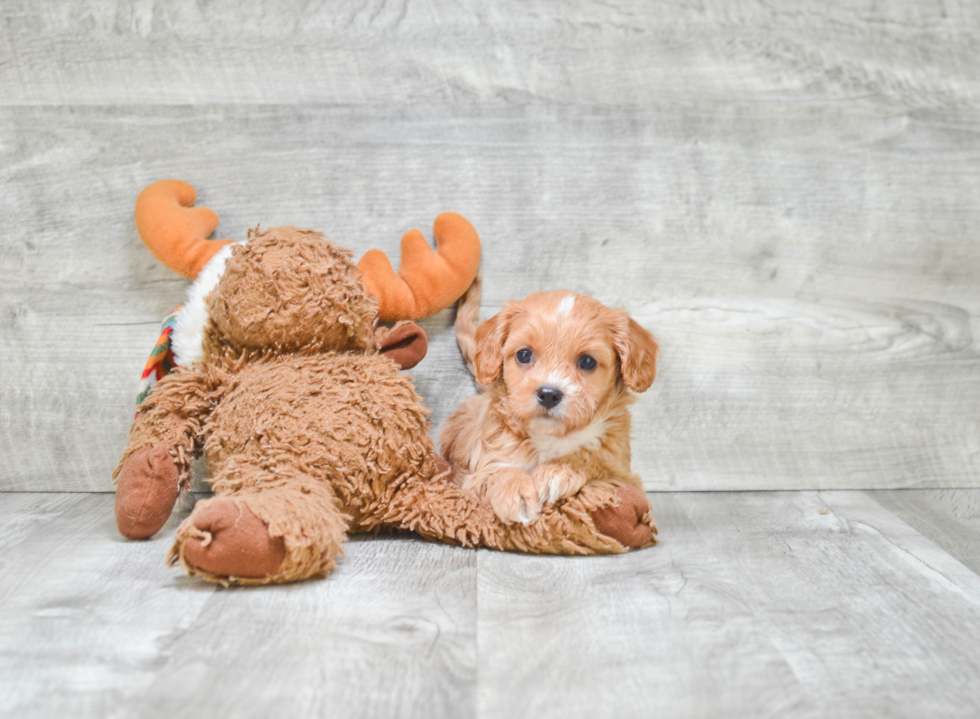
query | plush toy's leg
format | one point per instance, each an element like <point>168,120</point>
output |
<point>603,518</point>
<point>155,465</point>
<point>630,522</point>
<point>146,489</point>
<point>265,530</point>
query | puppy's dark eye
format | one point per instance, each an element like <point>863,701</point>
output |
<point>586,362</point>
<point>523,356</point>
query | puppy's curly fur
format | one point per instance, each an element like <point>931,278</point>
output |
<point>556,371</point>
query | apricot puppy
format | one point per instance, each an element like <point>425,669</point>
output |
<point>557,370</point>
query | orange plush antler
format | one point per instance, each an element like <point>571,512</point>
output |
<point>427,281</point>
<point>175,230</point>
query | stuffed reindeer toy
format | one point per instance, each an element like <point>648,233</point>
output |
<point>293,390</point>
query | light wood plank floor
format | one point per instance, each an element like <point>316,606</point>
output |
<point>842,604</point>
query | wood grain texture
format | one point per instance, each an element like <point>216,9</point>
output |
<point>755,604</point>
<point>380,51</point>
<point>97,626</point>
<point>949,517</point>
<point>786,196</point>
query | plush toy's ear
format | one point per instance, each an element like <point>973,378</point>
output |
<point>406,343</point>
<point>174,229</point>
<point>638,352</point>
<point>427,281</point>
<point>490,337</point>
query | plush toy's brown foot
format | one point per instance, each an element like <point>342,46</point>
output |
<point>146,490</point>
<point>630,523</point>
<point>232,542</point>
<point>261,535</point>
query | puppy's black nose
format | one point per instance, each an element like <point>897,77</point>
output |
<point>549,397</point>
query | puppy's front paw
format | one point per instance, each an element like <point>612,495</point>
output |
<point>556,481</point>
<point>513,496</point>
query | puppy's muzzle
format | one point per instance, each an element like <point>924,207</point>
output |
<point>549,397</point>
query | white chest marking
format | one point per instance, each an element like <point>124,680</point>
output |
<point>589,437</point>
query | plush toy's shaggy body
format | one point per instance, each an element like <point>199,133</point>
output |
<point>310,431</point>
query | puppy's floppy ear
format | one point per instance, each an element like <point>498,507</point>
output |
<point>638,352</point>
<point>490,337</point>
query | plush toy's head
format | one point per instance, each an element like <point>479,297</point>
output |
<point>291,290</point>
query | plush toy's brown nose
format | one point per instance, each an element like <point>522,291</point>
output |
<point>549,397</point>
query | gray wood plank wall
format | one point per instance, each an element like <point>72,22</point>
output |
<point>786,195</point>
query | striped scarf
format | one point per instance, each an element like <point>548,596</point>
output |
<point>161,362</point>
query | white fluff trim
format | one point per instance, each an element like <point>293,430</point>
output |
<point>187,338</point>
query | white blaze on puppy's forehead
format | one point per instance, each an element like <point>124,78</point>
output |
<point>565,306</point>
